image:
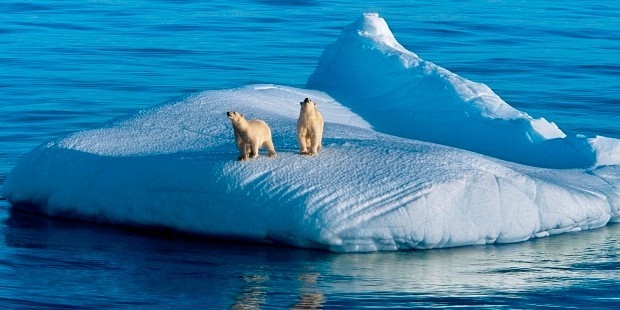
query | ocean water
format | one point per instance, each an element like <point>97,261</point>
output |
<point>72,65</point>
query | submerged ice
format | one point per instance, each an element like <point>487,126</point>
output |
<point>375,186</point>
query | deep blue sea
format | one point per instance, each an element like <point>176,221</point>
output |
<point>72,65</point>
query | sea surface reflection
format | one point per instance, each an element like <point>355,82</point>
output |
<point>101,266</point>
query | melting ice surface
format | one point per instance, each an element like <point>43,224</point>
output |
<point>375,186</point>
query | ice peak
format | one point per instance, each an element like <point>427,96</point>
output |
<point>372,27</point>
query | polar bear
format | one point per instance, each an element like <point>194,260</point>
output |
<point>250,136</point>
<point>309,128</point>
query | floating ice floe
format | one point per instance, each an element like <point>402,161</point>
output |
<point>375,186</point>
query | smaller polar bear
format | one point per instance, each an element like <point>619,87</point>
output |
<point>309,128</point>
<point>250,136</point>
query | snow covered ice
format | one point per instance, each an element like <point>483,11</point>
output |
<point>397,171</point>
<point>368,71</point>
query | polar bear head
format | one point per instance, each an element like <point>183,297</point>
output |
<point>308,102</point>
<point>308,106</point>
<point>234,116</point>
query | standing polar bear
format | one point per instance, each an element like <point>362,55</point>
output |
<point>309,128</point>
<point>250,136</point>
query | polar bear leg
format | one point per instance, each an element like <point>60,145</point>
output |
<point>244,149</point>
<point>303,144</point>
<point>319,142</point>
<point>316,143</point>
<point>240,144</point>
<point>254,146</point>
<point>270,148</point>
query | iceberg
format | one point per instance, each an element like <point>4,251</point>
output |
<point>375,186</point>
<point>401,94</point>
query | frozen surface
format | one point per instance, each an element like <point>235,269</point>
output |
<point>404,95</point>
<point>174,165</point>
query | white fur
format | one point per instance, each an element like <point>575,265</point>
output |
<point>250,136</point>
<point>309,128</point>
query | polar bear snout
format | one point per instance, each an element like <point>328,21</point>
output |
<point>234,115</point>
<point>307,100</point>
